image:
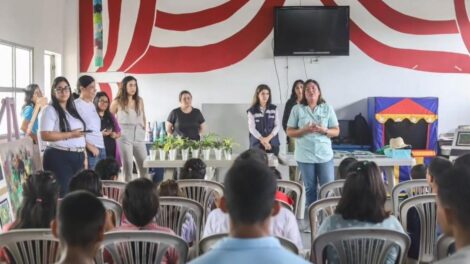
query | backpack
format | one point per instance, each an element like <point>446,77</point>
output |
<point>361,132</point>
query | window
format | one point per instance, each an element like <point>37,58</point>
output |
<point>16,72</point>
<point>52,69</point>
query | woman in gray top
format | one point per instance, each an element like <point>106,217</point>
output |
<point>128,107</point>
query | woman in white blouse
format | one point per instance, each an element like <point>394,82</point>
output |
<point>64,131</point>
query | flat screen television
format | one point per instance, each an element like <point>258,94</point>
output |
<point>311,30</point>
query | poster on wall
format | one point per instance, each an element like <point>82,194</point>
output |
<point>5,212</point>
<point>16,163</point>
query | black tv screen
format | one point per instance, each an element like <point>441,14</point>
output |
<point>311,30</point>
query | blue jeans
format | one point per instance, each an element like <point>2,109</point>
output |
<point>325,172</point>
<point>64,164</point>
<point>92,160</point>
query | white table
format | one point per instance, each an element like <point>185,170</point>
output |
<point>169,165</point>
<point>385,163</point>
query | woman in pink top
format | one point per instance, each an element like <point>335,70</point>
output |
<point>140,204</point>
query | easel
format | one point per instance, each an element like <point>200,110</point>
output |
<point>9,104</point>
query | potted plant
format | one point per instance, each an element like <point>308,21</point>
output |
<point>228,144</point>
<point>218,147</point>
<point>170,147</point>
<point>159,145</point>
<point>207,143</point>
<point>194,145</point>
<point>183,144</point>
<point>154,150</point>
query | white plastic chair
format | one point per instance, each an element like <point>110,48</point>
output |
<point>174,212</point>
<point>332,189</point>
<point>31,246</point>
<point>201,191</point>
<point>425,206</point>
<point>208,242</point>
<point>443,246</point>
<point>410,188</point>
<point>113,189</point>
<point>286,186</point>
<point>360,245</point>
<point>113,206</point>
<point>319,210</point>
<point>132,247</point>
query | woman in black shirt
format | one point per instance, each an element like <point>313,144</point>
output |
<point>295,98</point>
<point>185,121</point>
<point>109,126</point>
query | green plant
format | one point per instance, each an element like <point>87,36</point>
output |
<point>159,143</point>
<point>228,144</point>
<point>194,144</point>
<point>169,143</point>
<point>208,141</point>
<point>181,143</point>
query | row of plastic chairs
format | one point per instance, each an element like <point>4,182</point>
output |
<point>38,246</point>
<point>202,191</point>
<point>418,198</point>
<point>352,246</point>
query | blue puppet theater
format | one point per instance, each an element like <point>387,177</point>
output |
<point>413,119</point>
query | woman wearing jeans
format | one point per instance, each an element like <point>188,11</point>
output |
<point>313,122</point>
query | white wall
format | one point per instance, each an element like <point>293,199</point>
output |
<point>34,23</point>
<point>346,81</point>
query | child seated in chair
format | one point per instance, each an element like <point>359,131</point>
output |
<point>88,180</point>
<point>362,205</point>
<point>38,207</point>
<point>140,204</point>
<point>453,208</point>
<point>80,227</point>
<point>284,224</point>
<point>169,188</point>
<point>108,169</point>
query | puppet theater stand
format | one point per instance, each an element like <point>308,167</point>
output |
<point>413,119</point>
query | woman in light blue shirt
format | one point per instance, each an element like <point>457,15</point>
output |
<point>313,122</point>
<point>362,205</point>
<point>33,98</point>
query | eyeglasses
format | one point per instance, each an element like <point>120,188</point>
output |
<point>103,101</point>
<point>65,89</point>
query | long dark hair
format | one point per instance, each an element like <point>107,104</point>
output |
<point>259,89</point>
<point>70,106</point>
<point>96,101</point>
<point>364,194</point>
<point>293,95</point>
<point>320,97</point>
<point>28,95</point>
<point>39,204</point>
<point>122,96</point>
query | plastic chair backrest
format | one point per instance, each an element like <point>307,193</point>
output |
<point>201,191</point>
<point>320,210</point>
<point>360,245</point>
<point>443,246</point>
<point>174,212</point>
<point>332,189</point>
<point>30,246</point>
<point>141,247</point>
<point>425,206</point>
<point>113,189</point>
<point>113,206</point>
<point>291,186</point>
<point>410,188</point>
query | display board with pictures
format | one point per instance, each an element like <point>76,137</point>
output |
<point>18,159</point>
